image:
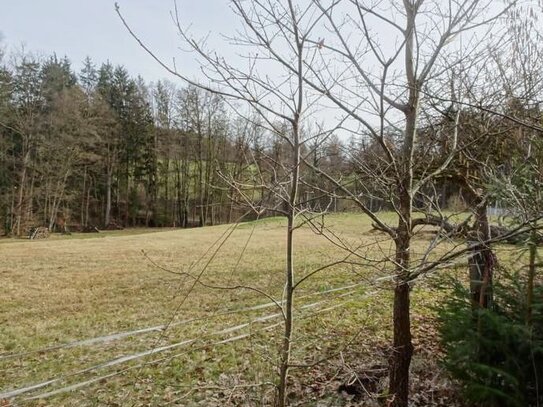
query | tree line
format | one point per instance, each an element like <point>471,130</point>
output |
<point>102,148</point>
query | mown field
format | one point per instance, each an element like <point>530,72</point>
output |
<point>114,318</point>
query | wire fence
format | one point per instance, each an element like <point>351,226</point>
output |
<point>223,331</point>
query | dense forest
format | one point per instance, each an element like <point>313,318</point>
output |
<point>100,148</point>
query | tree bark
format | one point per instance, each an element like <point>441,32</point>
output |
<point>83,196</point>
<point>20,200</point>
<point>402,347</point>
<point>287,339</point>
<point>86,222</point>
<point>289,284</point>
<point>402,351</point>
<point>107,217</point>
<point>482,262</point>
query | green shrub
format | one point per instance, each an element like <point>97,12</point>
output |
<point>494,353</point>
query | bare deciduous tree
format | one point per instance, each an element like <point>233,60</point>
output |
<point>282,103</point>
<point>381,65</point>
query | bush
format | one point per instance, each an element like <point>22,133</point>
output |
<point>494,353</point>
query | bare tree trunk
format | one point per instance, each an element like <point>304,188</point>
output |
<point>181,179</point>
<point>47,202</point>
<point>291,216</point>
<point>287,339</point>
<point>482,262</point>
<point>107,217</point>
<point>127,194</point>
<point>30,199</point>
<point>57,199</point>
<point>208,169</point>
<point>83,196</point>
<point>12,214</point>
<point>87,205</point>
<point>402,351</point>
<point>289,285</point>
<point>201,216</point>
<point>185,184</point>
<point>179,206</point>
<point>402,345</point>
<point>167,191</point>
<point>20,200</point>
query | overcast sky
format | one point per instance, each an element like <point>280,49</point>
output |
<point>80,28</point>
<point>77,28</point>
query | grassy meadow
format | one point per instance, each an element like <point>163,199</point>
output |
<point>121,318</point>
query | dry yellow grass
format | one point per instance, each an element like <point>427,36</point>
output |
<point>67,289</point>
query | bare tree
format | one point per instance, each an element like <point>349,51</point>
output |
<point>378,65</point>
<point>282,105</point>
<point>386,100</point>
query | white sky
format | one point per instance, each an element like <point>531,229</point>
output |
<point>80,28</point>
<point>77,28</point>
